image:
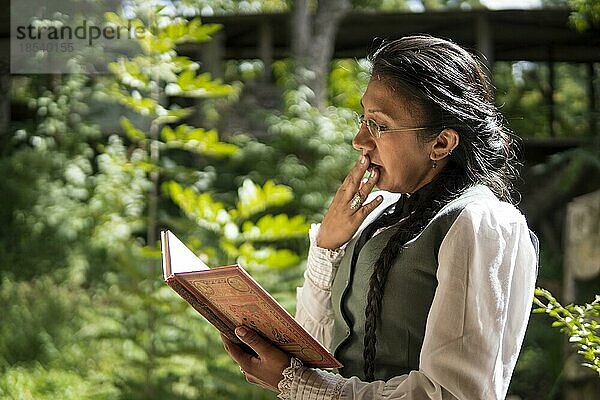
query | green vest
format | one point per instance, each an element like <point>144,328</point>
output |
<point>409,290</point>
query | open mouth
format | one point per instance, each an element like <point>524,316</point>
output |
<point>375,166</point>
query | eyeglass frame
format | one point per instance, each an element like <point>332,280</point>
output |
<point>368,121</point>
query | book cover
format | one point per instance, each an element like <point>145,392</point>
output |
<point>228,297</point>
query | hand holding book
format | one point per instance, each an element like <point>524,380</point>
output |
<point>266,368</point>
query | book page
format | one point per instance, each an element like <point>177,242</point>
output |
<point>179,257</point>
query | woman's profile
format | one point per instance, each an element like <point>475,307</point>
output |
<point>423,287</point>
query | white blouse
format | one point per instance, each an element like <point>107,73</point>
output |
<point>477,321</point>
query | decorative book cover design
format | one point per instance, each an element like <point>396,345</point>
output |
<point>228,297</point>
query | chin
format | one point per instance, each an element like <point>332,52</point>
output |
<point>383,185</point>
<point>390,187</point>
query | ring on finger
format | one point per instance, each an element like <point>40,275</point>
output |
<point>356,201</point>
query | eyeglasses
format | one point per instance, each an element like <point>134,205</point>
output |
<point>377,130</point>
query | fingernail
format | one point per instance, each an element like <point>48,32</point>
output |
<point>373,174</point>
<point>379,198</point>
<point>241,331</point>
<point>363,159</point>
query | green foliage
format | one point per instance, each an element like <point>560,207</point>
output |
<point>40,383</point>
<point>317,147</point>
<point>154,346</point>
<point>585,15</point>
<point>220,7</point>
<point>300,146</point>
<point>115,330</point>
<point>59,105</point>
<point>159,352</point>
<point>235,233</point>
<point>25,307</point>
<point>196,140</point>
<point>524,97</point>
<point>254,199</point>
<point>347,82</point>
<point>579,322</point>
<point>63,200</point>
<point>144,82</point>
<point>43,354</point>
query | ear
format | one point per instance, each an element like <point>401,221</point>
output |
<point>443,144</point>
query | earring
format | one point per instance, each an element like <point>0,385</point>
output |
<point>449,152</point>
<point>434,165</point>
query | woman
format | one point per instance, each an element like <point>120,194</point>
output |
<point>423,289</point>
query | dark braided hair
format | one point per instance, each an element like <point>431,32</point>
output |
<point>448,85</point>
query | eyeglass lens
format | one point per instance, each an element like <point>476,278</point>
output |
<point>372,126</point>
<point>374,129</point>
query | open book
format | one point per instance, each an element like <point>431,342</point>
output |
<point>228,297</point>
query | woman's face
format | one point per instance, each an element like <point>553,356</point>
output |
<point>401,158</point>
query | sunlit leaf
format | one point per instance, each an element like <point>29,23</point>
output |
<point>182,31</point>
<point>201,85</point>
<point>155,45</point>
<point>267,256</point>
<point>131,131</point>
<point>199,32</point>
<point>201,208</point>
<point>253,198</point>
<point>142,105</point>
<point>169,116</point>
<point>578,322</point>
<point>130,73</point>
<point>181,63</point>
<point>196,140</point>
<point>272,228</point>
<point>230,249</point>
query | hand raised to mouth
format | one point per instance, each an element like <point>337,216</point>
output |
<point>347,210</point>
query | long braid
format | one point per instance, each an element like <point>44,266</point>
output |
<point>450,186</point>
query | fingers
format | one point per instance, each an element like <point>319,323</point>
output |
<point>252,339</point>
<point>347,211</point>
<point>367,184</point>
<point>236,352</point>
<point>244,359</point>
<point>367,208</point>
<point>267,367</point>
<point>353,179</point>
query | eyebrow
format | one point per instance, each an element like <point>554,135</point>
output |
<point>375,110</point>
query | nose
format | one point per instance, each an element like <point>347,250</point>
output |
<point>362,140</point>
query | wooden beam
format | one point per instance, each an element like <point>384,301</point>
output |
<point>514,35</point>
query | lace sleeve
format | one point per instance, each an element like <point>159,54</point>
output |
<point>304,383</point>
<point>285,385</point>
